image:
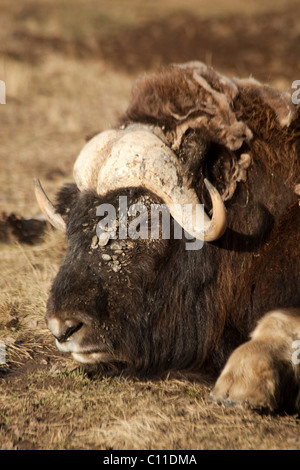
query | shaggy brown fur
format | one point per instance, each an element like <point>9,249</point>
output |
<point>188,97</point>
<point>215,120</point>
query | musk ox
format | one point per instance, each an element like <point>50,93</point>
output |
<point>149,304</point>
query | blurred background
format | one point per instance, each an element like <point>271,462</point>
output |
<point>69,65</point>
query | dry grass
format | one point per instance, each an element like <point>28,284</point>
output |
<point>55,97</point>
<point>66,410</point>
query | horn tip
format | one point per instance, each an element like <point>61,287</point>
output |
<point>36,182</point>
<point>209,186</point>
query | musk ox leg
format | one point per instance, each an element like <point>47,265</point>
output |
<point>264,373</point>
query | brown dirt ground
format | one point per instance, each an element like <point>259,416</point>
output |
<point>69,67</point>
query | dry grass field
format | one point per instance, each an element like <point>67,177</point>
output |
<point>68,66</point>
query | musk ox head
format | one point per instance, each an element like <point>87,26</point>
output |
<point>102,300</point>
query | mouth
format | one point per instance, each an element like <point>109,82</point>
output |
<point>84,355</point>
<point>93,357</point>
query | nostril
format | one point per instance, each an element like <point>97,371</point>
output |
<point>66,333</point>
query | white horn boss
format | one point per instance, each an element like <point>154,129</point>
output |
<point>138,156</point>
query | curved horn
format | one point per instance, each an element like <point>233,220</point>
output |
<point>47,207</point>
<point>137,157</point>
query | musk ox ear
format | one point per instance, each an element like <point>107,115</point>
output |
<point>201,158</point>
<point>65,198</point>
<point>227,170</point>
